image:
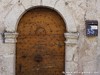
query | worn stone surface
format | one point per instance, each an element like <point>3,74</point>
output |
<point>13,16</point>
<point>36,2</point>
<point>1,63</point>
<point>82,53</point>
<point>26,3</point>
<point>98,46</point>
<point>71,53</point>
<point>50,3</point>
<point>7,49</point>
<point>9,64</point>
<point>71,67</point>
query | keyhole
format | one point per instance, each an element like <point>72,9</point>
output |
<point>38,58</point>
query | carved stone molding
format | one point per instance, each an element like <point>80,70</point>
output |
<point>10,37</point>
<point>71,38</point>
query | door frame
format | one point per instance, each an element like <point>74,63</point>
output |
<point>12,20</point>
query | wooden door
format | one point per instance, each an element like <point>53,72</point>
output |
<point>40,46</point>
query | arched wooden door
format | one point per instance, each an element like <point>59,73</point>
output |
<point>40,46</point>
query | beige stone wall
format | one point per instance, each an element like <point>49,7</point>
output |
<point>82,53</point>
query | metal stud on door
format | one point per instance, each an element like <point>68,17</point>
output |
<point>40,46</point>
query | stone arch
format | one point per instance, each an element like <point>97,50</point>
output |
<point>41,24</point>
<point>48,7</point>
<point>12,19</point>
<point>20,8</point>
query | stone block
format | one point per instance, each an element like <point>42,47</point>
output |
<point>70,52</point>
<point>36,2</point>
<point>50,3</point>
<point>71,67</point>
<point>26,3</point>
<point>7,49</point>
<point>67,15</point>
<point>71,35</point>
<point>10,37</point>
<point>12,18</point>
<point>9,64</point>
<point>89,68</point>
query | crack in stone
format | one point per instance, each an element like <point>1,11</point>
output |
<point>56,2</point>
<point>41,2</point>
<point>20,3</point>
<point>95,1</point>
<point>31,2</point>
<point>23,6</point>
<point>73,57</point>
<point>7,6</point>
<point>13,7</point>
<point>96,6</point>
<point>9,11</point>
<point>80,5</point>
<point>9,3</point>
<point>85,15</point>
<point>86,10</point>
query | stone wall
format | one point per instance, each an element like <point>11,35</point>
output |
<point>82,53</point>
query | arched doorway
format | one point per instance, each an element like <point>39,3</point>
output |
<point>40,44</point>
